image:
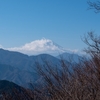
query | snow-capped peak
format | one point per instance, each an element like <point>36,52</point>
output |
<point>38,47</point>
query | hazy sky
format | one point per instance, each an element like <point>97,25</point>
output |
<point>62,21</point>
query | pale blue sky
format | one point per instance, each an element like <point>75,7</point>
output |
<point>62,21</point>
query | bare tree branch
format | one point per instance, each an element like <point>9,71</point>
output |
<point>94,5</point>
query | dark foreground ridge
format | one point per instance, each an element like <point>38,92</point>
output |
<point>11,91</point>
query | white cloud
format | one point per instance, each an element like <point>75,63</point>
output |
<point>41,46</point>
<point>38,47</point>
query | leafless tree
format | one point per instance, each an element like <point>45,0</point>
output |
<point>94,5</point>
<point>82,82</point>
<point>93,43</point>
<point>69,81</point>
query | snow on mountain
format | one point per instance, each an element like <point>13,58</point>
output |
<point>39,47</point>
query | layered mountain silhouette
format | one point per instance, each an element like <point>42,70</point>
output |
<point>72,57</point>
<point>21,69</point>
<point>20,77</point>
<point>11,91</point>
<point>8,87</point>
<point>22,61</point>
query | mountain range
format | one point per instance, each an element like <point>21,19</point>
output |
<point>21,68</point>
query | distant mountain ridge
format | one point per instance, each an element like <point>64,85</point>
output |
<point>21,68</point>
<point>70,57</point>
<point>20,77</point>
<point>22,61</point>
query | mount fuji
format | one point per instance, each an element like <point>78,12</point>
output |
<point>41,46</point>
<point>18,64</point>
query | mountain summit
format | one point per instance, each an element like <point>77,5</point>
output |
<point>39,47</point>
